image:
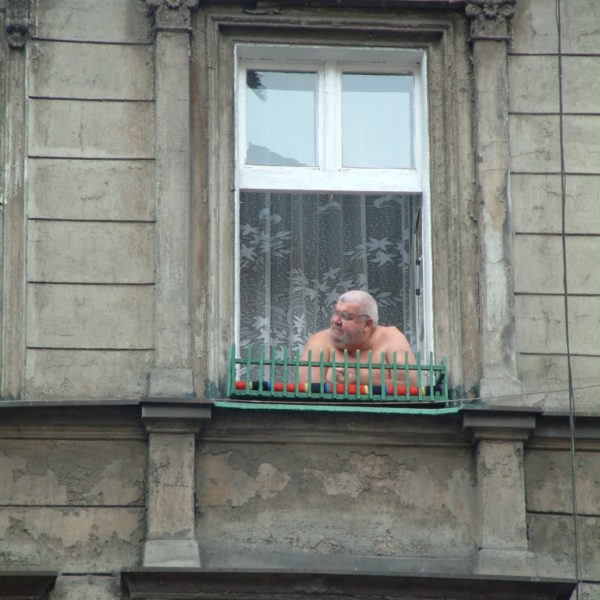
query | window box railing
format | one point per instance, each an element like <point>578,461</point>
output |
<point>262,378</point>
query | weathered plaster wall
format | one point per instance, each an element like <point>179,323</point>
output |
<point>90,200</point>
<point>536,198</point>
<point>291,491</point>
<point>270,492</point>
<point>551,527</point>
<point>278,489</point>
<point>309,493</point>
<point>72,496</point>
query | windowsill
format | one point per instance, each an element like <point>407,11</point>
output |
<point>359,407</point>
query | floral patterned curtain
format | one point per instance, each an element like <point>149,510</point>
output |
<point>299,252</point>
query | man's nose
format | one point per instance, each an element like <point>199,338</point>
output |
<point>335,317</point>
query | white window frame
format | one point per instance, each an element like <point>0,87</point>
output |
<point>329,175</point>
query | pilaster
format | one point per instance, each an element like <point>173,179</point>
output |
<point>17,23</point>
<point>499,437</point>
<point>172,375</point>
<point>170,493</point>
<point>13,145</point>
<point>490,32</point>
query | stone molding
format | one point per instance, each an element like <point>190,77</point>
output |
<point>171,15</point>
<point>444,37</point>
<point>174,416</point>
<point>290,585</point>
<point>499,424</point>
<point>17,23</point>
<point>553,431</point>
<point>490,18</point>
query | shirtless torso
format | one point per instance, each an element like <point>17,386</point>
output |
<point>353,334</point>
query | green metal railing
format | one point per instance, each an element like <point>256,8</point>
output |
<point>260,378</point>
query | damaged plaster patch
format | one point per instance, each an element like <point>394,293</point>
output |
<point>225,485</point>
<point>29,481</point>
<point>70,473</point>
<point>96,539</point>
<point>363,474</point>
<point>339,484</point>
<point>416,486</point>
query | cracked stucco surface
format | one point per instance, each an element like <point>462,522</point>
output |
<point>386,502</point>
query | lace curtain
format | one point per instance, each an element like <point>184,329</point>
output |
<point>299,252</point>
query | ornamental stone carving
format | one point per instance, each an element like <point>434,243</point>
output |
<point>152,5</point>
<point>490,18</point>
<point>17,23</point>
<point>171,14</point>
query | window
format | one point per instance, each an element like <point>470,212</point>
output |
<point>332,189</point>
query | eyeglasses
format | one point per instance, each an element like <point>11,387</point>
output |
<point>344,316</point>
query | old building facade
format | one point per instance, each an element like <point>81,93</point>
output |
<point>126,473</point>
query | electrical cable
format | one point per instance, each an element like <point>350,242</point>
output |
<point>563,185</point>
<point>524,395</point>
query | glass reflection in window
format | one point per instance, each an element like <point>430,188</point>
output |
<point>281,118</point>
<point>377,122</point>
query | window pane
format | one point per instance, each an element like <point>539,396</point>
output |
<point>280,118</point>
<point>377,122</point>
<point>299,252</point>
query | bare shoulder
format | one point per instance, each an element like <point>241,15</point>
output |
<point>390,333</point>
<point>317,342</point>
<point>393,340</point>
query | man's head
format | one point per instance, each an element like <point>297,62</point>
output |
<point>367,303</point>
<point>354,319</point>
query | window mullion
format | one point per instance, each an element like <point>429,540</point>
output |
<point>332,121</point>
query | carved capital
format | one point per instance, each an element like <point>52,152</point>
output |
<point>172,15</point>
<point>490,18</point>
<point>17,23</point>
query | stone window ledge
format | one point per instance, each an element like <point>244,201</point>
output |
<point>238,584</point>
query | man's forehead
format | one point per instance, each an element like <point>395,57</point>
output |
<point>347,306</point>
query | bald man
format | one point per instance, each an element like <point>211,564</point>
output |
<point>354,326</point>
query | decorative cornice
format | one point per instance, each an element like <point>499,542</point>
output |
<point>152,5</point>
<point>499,424</point>
<point>17,23</point>
<point>173,15</point>
<point>490,18</point>
<point>160,416</point>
